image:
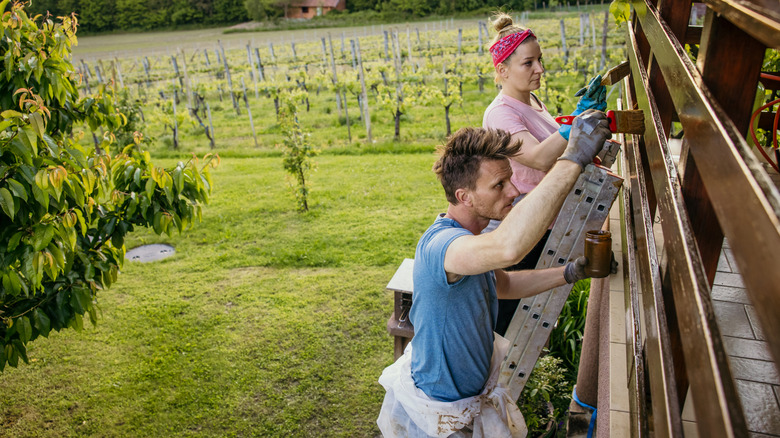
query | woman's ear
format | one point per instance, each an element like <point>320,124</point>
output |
<point>502,70</point>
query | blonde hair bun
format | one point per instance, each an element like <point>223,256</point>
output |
<point>502,21</point>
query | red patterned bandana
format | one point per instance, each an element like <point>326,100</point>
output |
<point>507,45</point>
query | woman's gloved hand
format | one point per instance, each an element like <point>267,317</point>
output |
<point>594,96</point>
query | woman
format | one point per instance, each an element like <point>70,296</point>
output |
<point>517,58</point>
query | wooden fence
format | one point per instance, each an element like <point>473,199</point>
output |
<point>718,188</point>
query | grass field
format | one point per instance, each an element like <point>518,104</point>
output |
<point>266,321</point>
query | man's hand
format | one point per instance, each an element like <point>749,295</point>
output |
<point>575,270</point>
<point>588,134</point>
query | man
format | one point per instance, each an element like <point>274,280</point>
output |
<point>433,389</point>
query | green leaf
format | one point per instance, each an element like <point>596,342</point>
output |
<point>21,350</point>
<point>17,188</point>
<point>36,121</point>
<point>12,355</point>
<point>24,329</point>
<point>7,202</point>
<point>7,114</point>
<point>42,322</point>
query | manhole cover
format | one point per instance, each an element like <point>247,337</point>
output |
<point>150,253</point>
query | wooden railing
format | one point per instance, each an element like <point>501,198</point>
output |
<point>717,188</point>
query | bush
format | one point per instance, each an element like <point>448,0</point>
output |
<point>66,208</point>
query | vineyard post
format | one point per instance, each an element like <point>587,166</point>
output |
<point>604,40</point>
<point>249,111</point>
<point>354,57</point>
<point>190,106</point>
<point>460,42</point>
<point>211,125</point>
<point>176,70</point>
<point>118,68</point>
<point>99,76</point>
<point>398,84</point>
<point>479,25</point>
<point>409,47</point>
<point>229,80</point>
<point>295,54</point>
<point>252,71</point>
<point>583,28</point>
<point>219,58</point>
<point>563,43</point>
<point>387,55</point>
<point>342,44</point>
<point>260,69</point>
<point>175,122</point>
<point>206,55</point>
<point>249,57</point>
<point>364,95</point>
<point>593,34</point>
<point>335,77</point>
<point>85,77</point>
<point>271,50</point>
<point>417,29</point>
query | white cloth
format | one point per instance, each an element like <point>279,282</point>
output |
<point>407,412</point>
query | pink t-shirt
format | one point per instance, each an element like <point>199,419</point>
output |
<point>513,116</point>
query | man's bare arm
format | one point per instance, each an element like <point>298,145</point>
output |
<point>527,283</point>
<point>527,221</point>
<point>518,232</point>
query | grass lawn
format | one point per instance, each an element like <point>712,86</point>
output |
<point>265,322</point>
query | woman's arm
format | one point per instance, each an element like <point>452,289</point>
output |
<point>539,155</point>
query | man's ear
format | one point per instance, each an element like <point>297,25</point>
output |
<point>464,197</point>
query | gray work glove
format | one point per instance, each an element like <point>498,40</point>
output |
<point>575,271</point>
<point>589,131</point>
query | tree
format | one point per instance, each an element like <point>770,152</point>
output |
<point>65,208</point>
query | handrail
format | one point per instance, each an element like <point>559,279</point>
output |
<point>666,84</point>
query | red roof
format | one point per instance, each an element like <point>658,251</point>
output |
<point>316,3</point>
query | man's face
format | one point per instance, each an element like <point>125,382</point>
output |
<point>492,198</point>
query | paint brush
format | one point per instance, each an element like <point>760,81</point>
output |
<point>616,73</point>
<point>625,121</point>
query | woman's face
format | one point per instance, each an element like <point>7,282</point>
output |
<point>523,70</point>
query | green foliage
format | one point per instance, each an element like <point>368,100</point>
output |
<point>621,10</point>
<point>298,150</point>
<point>66,209</point>
<point>546,396</point>
<point>566,337</point>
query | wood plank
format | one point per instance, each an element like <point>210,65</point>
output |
<point>712,387</point>
<point>745,199</point>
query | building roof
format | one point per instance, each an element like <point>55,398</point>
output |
<point>315,3</point>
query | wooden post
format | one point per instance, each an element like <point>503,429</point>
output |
<point>563,43</point>
<point>335,76</point>
<point>211,125</point>
<point>604,31</point>
<point>260,69</point>
<point>249,111</point>
<point>187,82</point>
<point>409,46</point>
<point>229,80</point>
<point>118,68</point>
<point>479,26</point>
<point>271,50</point>
<point>175,122</point>
<point>387,55</point>
<point>364,95</point>
<point>176,70</point>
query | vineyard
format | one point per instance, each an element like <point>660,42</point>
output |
<point>381,88</point>
<point>267,321</point>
